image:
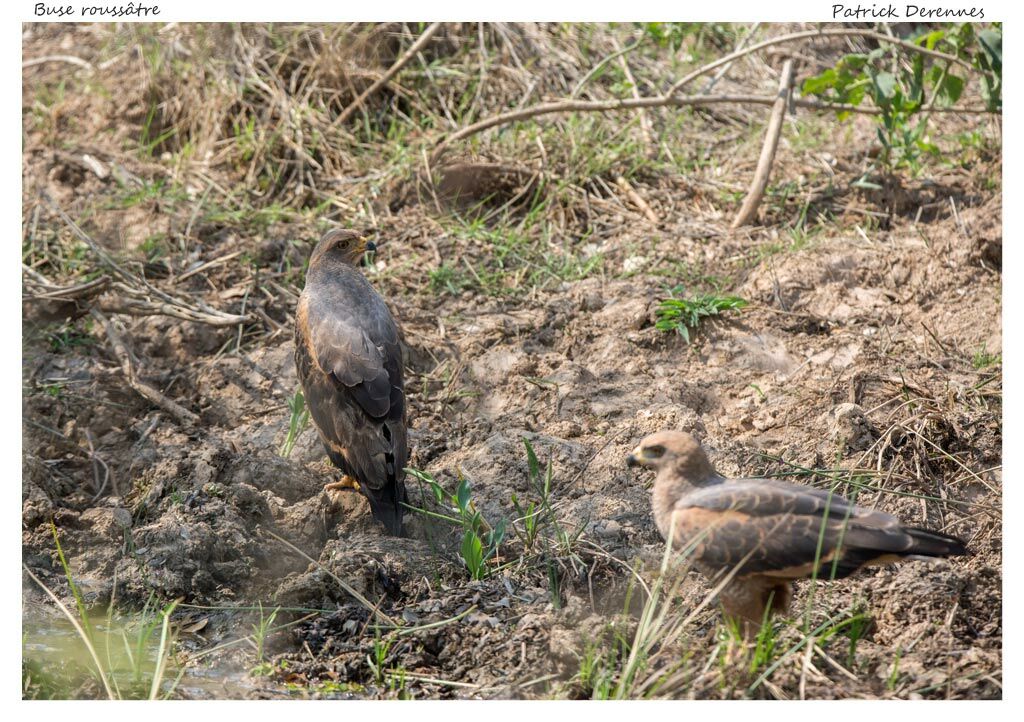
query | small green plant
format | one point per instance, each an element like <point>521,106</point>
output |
<point>449,279</point>
<point>764,643</point>
<point>154,247</point>
<point>894,675</point>
<point>538,527</point>
<point>541,482</point>
<point>858,627</point>
<point>149,140</point>
<point>378,657</point>
<point>261,629</point>
<point>684,315</point>
<point>67,336</point>
<point>480,539</point>
<point>983,359</point>
<point>596,674</point>
<point>297,422</point>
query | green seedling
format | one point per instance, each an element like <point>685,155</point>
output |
<point>297,422</point>
<point>684,315</point>
<point>480,539</point>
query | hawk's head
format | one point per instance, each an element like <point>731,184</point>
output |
<point>343,245</point>
<point>674,451</point>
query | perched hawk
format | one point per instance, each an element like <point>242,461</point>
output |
<point>349,362</point>
<point>770,532</point>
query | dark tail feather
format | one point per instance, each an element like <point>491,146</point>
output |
<point>868,547</point>
<point>934,544</point>
<point>386,505</point>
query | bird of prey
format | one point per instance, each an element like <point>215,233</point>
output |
<point>349,361</point>
<point>767,533</point>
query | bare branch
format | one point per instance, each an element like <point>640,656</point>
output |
<point>58,59</point>
<point>573,106</point>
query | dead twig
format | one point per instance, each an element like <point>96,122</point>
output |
<point>40,288</point>
<point>408,55</point>
<point>771,142</point>
<point>138,297</point>
<point>637,199</point>
<point>98,462</point>
<point>73,60</point>
<point>370,606</point>
<point>208,265</point>
<point>124,356</point>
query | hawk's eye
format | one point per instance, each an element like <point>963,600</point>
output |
<point>654,452</point>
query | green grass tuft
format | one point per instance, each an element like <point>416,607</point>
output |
<point>684,315</point>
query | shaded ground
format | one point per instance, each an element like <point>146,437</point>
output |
<point>869,352</point>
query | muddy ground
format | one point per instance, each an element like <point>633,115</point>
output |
<point>872,345</point>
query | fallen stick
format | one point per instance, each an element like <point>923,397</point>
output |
<point>771,142</point>
<point>124,356</point>
<point>637,199</point>
<point>74,60</point>
<point>48,291</point>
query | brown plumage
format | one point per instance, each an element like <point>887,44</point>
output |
<point>768,531</point>
<point>349,361</point>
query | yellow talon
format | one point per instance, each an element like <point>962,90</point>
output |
<point>347,482</point>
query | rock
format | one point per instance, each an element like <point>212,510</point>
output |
<point>107,523</point>
<point>849,428</point>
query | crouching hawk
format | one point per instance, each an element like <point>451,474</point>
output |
<point>766,533</point>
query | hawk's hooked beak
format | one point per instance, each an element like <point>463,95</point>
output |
<point>369,251</point>
<point>636,458</point>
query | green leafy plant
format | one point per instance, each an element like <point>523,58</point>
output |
<point>538,527</point>
<point>904,84</point>
<point>297,423</point>
<point>982,358</point>
<point>480,539</point>
<point>377,658</point>
<point>894,675</point>
<point>684,315</point>
<point>765,643</point>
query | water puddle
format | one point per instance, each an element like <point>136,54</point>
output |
<point>57,663</point>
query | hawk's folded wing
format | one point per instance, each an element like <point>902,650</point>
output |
<point>342,348</point>
<point>783,530</point>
